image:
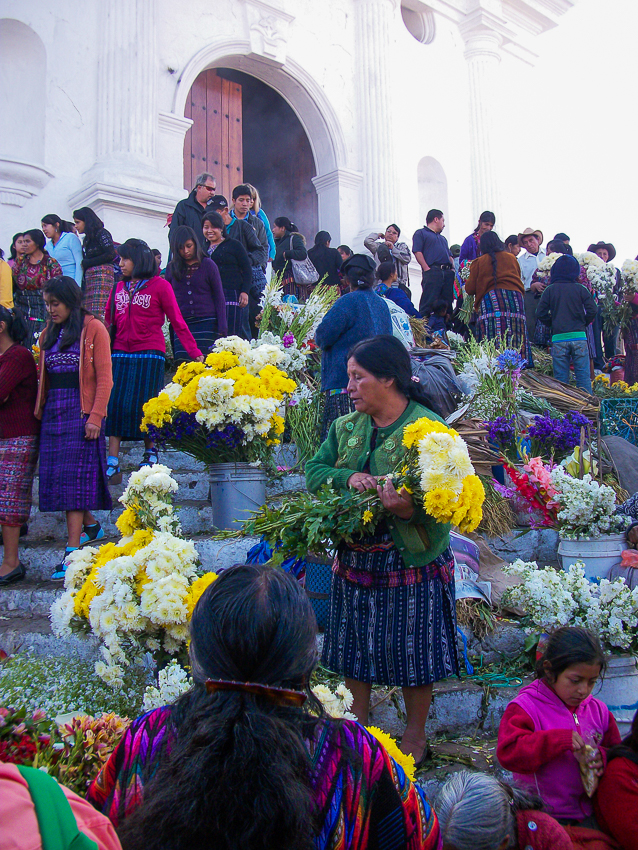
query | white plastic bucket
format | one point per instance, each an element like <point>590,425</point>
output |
<point>598,554</point>
<point>619,690</point>
<point>236,489</point>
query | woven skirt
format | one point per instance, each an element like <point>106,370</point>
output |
<point>237,317</point>
<point>399,636</point>
<point>98,284</point>
<point>502,317</point>
<point>72,468</point>
<point>137,377</point>
<point>18,458</point>
<point>336,404</point>
<point>31,304</point>
<point>204,332</point>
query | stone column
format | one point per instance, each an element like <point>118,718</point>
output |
<point>482,53</point>
<point>375,29</point>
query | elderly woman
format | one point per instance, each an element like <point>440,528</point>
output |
<point>496,284</point>
<point>392,609</point>
<point>355,316</point>
<point>246,758</point>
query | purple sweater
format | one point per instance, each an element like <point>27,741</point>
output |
<point>199,294</point>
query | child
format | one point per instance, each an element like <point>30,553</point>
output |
<point>388,287</point>
<point>616,801</point>
<point>437,320</point>
<point>568,307</point>
<point>545,729</point>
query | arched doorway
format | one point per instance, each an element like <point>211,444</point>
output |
<point>432,187</point>
<point>244,130</point>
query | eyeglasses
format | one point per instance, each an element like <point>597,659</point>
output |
<point>210,188</point>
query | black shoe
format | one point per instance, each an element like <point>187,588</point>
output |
<point>24,530</point>
<point>18,574</point>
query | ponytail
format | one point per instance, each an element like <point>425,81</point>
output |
<point>15,322</point>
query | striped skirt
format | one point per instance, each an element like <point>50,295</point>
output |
<point>137,377</point>
<point>391,635</point>
<point>237,317</point>
<point>204,332</point>
<point>31,304</point>
<point>18,458</point>
<point>98,284</point>
<point>72,468</point>
<point>502,317</point>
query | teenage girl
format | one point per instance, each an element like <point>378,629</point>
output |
<point>546,728</point>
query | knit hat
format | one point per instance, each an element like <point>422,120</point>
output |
<point>565,268</point>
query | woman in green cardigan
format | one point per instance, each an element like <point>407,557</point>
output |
<point>392,607</point>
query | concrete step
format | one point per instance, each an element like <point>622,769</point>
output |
<point>28,598</point>
<point>33,634</point>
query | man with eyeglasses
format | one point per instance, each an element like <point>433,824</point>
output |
<point>191,209</point>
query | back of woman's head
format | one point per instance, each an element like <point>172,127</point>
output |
<point>37,236</point>
<point>557,246</point>
<point>359,271</point>
<point>239,772</point>
<point>491,244</point>
<point>15,322</point>
<point>65,290</point>
<point>385,270</point>
<point>284,222</point>
<point>322,239</point>
<point>179,238</point>
<point>385,356</point>
<point>92,222</point>
<point>567,646</point>
<point>477,812</point>
<point>140,254</point>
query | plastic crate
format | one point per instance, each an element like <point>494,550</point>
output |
<point>619,418</point>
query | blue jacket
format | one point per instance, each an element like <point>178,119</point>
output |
<point>353,317</point>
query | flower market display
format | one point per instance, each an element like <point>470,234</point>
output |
<point>553,598</point>
<point>436,470</point>
<point>226,409</point>
<point>135,596</point>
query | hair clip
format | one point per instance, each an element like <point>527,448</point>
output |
<point>278,696</point>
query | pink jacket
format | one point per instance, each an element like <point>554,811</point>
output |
<point>139,324</point>
<point>555,774</point>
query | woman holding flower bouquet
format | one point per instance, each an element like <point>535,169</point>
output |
<point>392,610</point>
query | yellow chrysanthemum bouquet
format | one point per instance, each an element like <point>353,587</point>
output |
<point>136,596</point>
<point>225,410</point>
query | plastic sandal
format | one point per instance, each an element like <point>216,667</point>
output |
<point>150,458</point>
<point>91,533</point>
<point>113,473</point>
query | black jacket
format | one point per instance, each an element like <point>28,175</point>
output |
<point>234,265</point>
<point>283,252</point>
<point>98,251</point>
<point>327,261</point>
<point>243,231</point>
<point>189,212</point>
<point>567,306</point>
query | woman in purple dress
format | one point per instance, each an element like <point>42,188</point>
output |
<point>471,247</point>
<point>73,393</point>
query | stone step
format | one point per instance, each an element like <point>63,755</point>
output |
<point>33,634</point>
<point>536,544</point>
<point>40,559</point>
<point>28,598</point>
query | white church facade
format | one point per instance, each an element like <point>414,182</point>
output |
<point>344,113</point>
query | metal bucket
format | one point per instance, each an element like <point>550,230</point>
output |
<point>619,690</point>
<point>236,489</point>
<point>598,554</point>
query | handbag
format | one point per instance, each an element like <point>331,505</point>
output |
<point>303,271</point>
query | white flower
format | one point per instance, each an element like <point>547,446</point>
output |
<point>173,391</point>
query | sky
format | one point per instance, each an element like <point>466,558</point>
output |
<point>572,155</point>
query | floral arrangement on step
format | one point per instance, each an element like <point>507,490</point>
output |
<point>226,410</point>
<point>603,388</point>
<point>286,318</point>
<point>550,436</point>
<point>489,376</point>
<point>135,596</point>
<point>554,598</point>
<point>436,470</point>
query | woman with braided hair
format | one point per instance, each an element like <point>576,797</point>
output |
<point>496,284</point>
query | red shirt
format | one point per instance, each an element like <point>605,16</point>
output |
<point>139,321</point>
<point>18,391</point>
<point>616,802</point>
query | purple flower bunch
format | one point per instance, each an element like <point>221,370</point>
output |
<point>510,360</point>
<point>502,431</point>
<point>183,425</point>
<point>556,436</point>
<point>225,438</point>
<point>288,339</point>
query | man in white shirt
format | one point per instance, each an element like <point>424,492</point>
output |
<point>531,240</point>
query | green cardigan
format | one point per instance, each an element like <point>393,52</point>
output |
<point>347,449</point>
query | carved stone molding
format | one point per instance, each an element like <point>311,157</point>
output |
<point>268,31</point>
<point>340,177</point>
<point>20,181</point>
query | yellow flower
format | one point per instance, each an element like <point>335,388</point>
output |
<point>367,516</point>
<point>187,371</point>
<point>128,522</point>
<point>196,589</point>
<point>157,411</point>
<point>221,361</point>
<point>440,504</point>
<point>415,431</point>
<point>390,746</point>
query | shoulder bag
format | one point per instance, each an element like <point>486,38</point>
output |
<point>303,271</point>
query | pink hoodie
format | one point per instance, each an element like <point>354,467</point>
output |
<point>139,324</point>
<point>558,781</point>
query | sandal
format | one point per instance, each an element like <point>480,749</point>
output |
<point>113,471</point>
<point>91,533</point>
<point>149,458</point>
<point>60,571</point>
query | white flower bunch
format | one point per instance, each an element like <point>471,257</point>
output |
<point>293,359</point>
<point>629,272</point>
<point>272,296</point>
<point>545,265</point>
<point>149,494</point>
<point>335,704</point>
<point>234,344</point>
<point>553,598</point>
<point>479,367</point>
<point>444,462</point>
<point>586,508</point>
<point>455,340</point>
<point>172,682</point>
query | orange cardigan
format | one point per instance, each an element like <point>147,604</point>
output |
<point>96,376</point>
<point>481,280</point>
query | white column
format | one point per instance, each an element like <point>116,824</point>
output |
<point>482,53</point>
<point>375,29</point>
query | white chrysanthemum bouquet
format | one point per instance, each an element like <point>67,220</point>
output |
<point>137,595</point>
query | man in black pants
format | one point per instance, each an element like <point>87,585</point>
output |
<point>433,255</point>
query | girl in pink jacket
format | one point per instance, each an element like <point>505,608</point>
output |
<point>546,731</point>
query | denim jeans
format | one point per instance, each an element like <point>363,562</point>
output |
<point>573,351</point>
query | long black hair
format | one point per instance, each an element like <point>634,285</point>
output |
<point>180,237</point>
<point>13,254</point>
<point>238,774</point>
<point>66,290</point>
<point>384,356</point>
<point>284,222</point>
<point>144,265</point>
<point>92,222</point>
<point>488,217</point>
<point>567,646</point>
<point>56,221</point>
<point>15,322</point>
<point>491,244</point>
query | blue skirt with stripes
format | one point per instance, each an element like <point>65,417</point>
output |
<point>137,377</point>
